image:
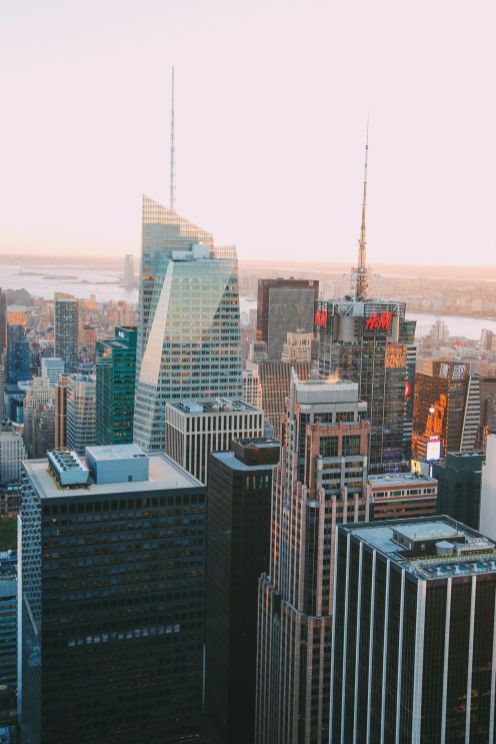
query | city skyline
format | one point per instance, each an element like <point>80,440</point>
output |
<point>287,134</point>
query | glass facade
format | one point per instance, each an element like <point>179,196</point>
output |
<point>66,314</point>
<point>189,324</point>
<point>413,634</point>
<point>367,342</point>
<point>80,412</point>
<point>112,610</point>
<point>115,385</point>
<point>17,367</point>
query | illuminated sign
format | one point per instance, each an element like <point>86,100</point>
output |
<point>379,321</point>
<point>408,389</point>
<point>433,449</point>
<point>320,319</point>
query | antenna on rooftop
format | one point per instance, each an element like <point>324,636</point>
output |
<point>172,193</point>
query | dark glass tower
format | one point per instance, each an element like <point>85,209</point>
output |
<point>459,486</point>
<point>284,305</point>
<point>17,354</point>
<point>414,633</point>
<point>66,330</point>
<point>115,381</point>
<point>112,599</point>
<point>238,543</point>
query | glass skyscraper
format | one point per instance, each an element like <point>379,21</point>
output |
<point>66,330</point>
<point>115,382</point>
<point>189,326</point>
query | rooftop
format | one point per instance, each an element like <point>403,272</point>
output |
<point>389,480</point>
<point>115,452</point>
<point>211,405</point>
<point>165,474</point>
<point>429,548</point>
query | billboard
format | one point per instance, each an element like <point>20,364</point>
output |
<point>433,449</point>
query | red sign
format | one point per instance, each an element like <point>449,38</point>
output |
<point>408,389</point>
<point>320,319</point>
<point>379,321</point>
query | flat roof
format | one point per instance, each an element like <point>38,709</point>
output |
<point>212,405</point>
<point>228,458</point>
<point>113,452</point>
<point>400,479</point>
<point>478,556</point>
<point>165,474</point>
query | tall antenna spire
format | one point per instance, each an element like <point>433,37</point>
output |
<point>172,194</point>
<point>361,272</point>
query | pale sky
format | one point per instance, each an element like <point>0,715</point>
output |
<point>271,106</point>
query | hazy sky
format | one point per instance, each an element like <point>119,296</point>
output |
<point>271,106</point>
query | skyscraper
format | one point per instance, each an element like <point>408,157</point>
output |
<point>52,367</point>
<point>189,327</point>
<point>366,342</point>
<point>3,321</point>
<point>238,543</point>
<point>321,481</point>
<point>115,385</point>
<point>17,363</point>
<point>439,406</point>
<point>195,428</point>
<point>66,313</point>
<point>129,270</point>
<point>459,486</point>
<point>414,633</point>
<point>284,305</point>
<point>112,572</point>
<point>81,412</point>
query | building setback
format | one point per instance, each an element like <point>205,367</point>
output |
<point>414,642</point>
<point>195,428</point>
<point>112,588</point>
<point>238,543</point>
<point>321,481</point>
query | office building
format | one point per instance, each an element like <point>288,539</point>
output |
<point>129,271</point>
<point>298,347</point>
<point>409,327</point>
<point>238,543</point>
<point>60,424</point>
<point>321,481</point>
<point>3,322</point>
<point>284,305</point>
<point>112,638</point>
<point>189,328</point>
<point>66,314</point>
<point>439,406</point>
<point>53,368</point>
<point>459,486</point>
<point>414,633</point>
<point>8,619</point>
<point>401,496</point>
<point>40,398</point>
<point>17,359</point>
<point>115,382</point>
<point>80,412</point>
<point>252,392</point>
<point>12,452</point>
<point>195,428</point>
<point>367,342</point>
<point>274,380</point>
<point>488,489</point>
<point>2,392</point>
